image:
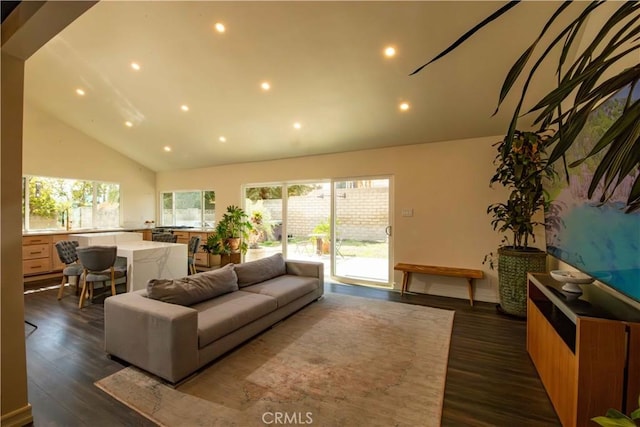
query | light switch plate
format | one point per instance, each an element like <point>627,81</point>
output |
<point>407,212</point>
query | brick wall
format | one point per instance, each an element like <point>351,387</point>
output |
<point>363,213</point>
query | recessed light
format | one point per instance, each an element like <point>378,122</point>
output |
<point>80,92</point>
<point>184,108</point>
<point>167,148</point>
<point>128,124</point>
<point>222,139</point>
<point>265,86</point>
<point>404,106</point>
<point>220,27</point>
<point>390,51</point>
<point>135,66</point>
<point>297,125</point>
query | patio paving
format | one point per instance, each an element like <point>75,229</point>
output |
<point>359,267</point>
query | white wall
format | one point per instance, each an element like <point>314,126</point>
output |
<point>446,184</point>
<point>52,148</point>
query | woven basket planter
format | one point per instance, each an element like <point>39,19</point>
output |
<point>513,266</point>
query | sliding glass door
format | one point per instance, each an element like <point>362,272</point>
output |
<point>360,249</point>
<point>264,205</point>
<point>344,224</point>
<point>307,220</point>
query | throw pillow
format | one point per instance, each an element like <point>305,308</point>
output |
<point>195,288</point>
<point>260,270</point>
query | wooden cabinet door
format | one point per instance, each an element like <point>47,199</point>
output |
<point>183,237</point>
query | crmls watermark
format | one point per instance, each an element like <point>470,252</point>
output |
<point>290,418</point>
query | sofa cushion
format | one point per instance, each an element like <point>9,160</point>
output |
<point>195,288</point>
<point>221,316</point>
<point>260,270</point>
<point>285,288</point>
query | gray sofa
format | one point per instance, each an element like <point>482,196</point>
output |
<point>175,327</point>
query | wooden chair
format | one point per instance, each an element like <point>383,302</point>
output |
<point>164,237</point>
<point>194,243</point>
<point>99,266</point>
<point>68,255</point>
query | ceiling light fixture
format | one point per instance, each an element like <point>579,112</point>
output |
<point>184,108</point>
<point>128,124</point>
<point>80,92</point>
<point>297,125</point>
<point>220,27</point>
<point>390,52</point>
<point>222,139</point>
<point>135,66</point>
<point>404,106</point>
<point>265,86</point>
<point>167,148</point>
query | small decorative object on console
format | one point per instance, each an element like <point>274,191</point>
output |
<point>571,280</point>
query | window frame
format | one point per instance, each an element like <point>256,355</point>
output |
<point>26,224</point>
<point>203,223</point>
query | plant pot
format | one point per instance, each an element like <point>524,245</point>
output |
<point>214,260</point>
<point>234,244</point>
<point>513,266</point>
<point>230,258</point>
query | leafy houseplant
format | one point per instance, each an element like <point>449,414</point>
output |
<point>214,247</point>
<point>521,167</point>
<point>233,230</point>
<point>581,86</point>
<point>615,418</point>
<point>261,229</point>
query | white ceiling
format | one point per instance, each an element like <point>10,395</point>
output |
<point>324,62</point>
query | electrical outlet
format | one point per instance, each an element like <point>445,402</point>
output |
<point>407,212</point>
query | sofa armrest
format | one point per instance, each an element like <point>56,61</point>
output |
<point>308,269</point>
<point>156,336</point>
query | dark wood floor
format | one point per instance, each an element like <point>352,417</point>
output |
<point>490,379</point>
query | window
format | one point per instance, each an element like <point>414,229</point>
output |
<point>61,203</point>
<point>188,208</point>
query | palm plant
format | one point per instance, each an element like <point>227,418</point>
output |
<point>581,86</point>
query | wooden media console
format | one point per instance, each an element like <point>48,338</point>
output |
<point>586,349</point>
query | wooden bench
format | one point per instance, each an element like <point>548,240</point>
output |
<point>467,273</point>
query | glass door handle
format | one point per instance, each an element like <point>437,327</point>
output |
<point>387,230</point>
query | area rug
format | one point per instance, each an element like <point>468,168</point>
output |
<point>342,361</point>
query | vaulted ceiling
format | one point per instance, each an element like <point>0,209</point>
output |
<point>324,62</point>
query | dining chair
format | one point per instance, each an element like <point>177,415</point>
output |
<point>99,266</point>
<point>164,237</point>
<point>68,255</point>
<point>194,243</point>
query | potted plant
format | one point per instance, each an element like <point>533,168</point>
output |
<point>214,247</point>
<point>261,230</point>
<point>521,165</point>
<point>233,231</point>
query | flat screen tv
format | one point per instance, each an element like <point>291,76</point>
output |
<point>600,240</point>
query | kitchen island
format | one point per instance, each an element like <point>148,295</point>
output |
<point>152,260</point>
<point>109,238</point>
